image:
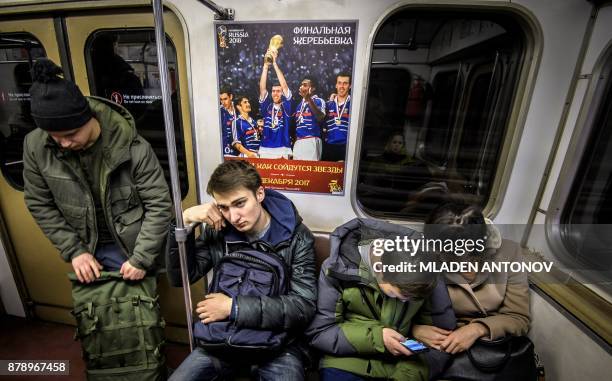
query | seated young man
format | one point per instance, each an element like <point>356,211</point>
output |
<point>365,313</point>
<point>244,214</point>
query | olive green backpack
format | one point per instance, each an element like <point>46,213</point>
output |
<point>120,327</point>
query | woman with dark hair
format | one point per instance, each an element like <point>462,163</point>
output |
<point>488,305</point>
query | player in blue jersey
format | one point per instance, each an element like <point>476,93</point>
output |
<point>337,120</point>
<point>276,110</point>
<point>228,114</point>
<point>246,138</point>
<point>309,117</point>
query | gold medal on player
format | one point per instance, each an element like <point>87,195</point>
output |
<point>340,111</point>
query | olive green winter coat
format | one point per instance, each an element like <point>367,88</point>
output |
<point>134,192</point>
<point>352,311</point>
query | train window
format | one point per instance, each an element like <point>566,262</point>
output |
<point>122,66</point>
<point>386,97</point>
<point>475,125</point>
<point>17,53</point>
<point>437,131</point>
<point>586,217</point>
<point>443,113</point>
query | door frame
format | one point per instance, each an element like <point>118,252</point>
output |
<point>60,51</point>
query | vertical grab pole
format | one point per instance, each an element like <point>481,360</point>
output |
<point>181,233</point>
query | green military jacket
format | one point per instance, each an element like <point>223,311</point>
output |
<point>134,192</point>
<point>352,311</point>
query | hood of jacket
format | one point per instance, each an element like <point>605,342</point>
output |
<point>284,219</point>
<point>345,262</point>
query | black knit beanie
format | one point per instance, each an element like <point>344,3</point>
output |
<point>57,104</point>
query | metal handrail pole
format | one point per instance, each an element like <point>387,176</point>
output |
<point>180,232</point>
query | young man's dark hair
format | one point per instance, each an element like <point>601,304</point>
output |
<point>226,90</point>
<point>244,216</point>
<point>345,74</point>
<point>313,82</point>
<point>415,285</point>
<point>231,175</point>
<point>238,99</point>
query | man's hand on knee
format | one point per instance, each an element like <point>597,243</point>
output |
<point>86,268</point>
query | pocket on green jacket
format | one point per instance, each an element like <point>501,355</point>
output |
<point>127,214</point>
<point>120,198</point>
<point>76,216</point>
<point>128,225</point>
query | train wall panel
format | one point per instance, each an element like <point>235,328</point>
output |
<point>563,26</point>
<point>567,352</point>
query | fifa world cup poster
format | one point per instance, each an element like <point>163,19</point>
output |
<point>285,100</point>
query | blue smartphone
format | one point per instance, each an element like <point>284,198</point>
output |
<point>415,346</point>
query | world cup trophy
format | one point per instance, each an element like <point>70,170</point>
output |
<point>276,42</point>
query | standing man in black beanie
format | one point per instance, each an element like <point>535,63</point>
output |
<point>97,191</point>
